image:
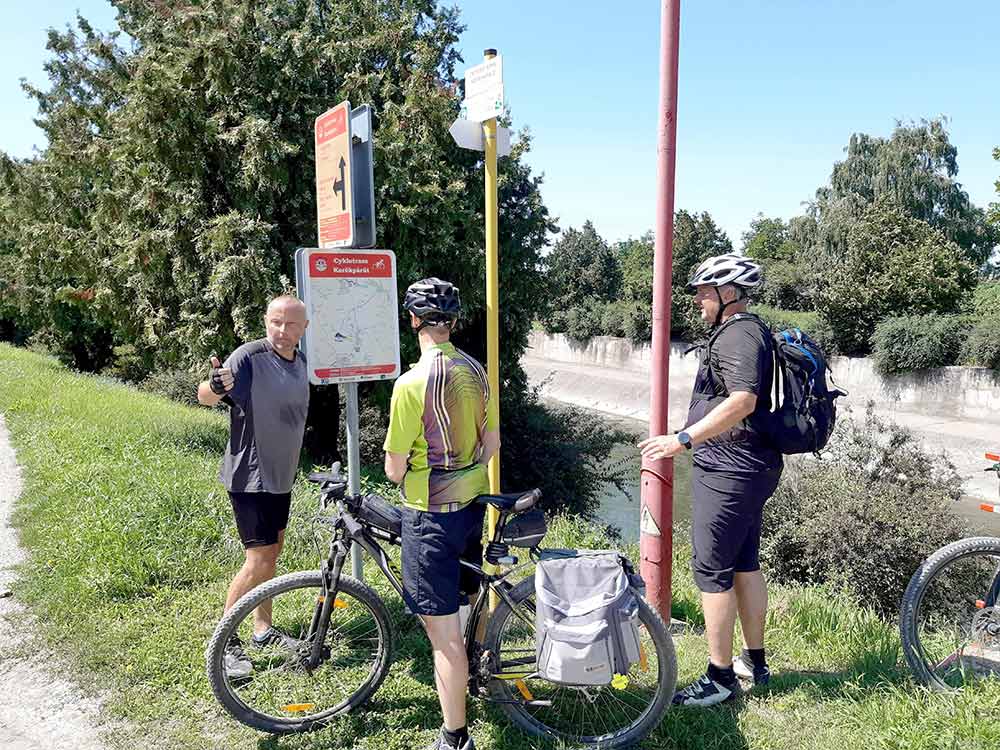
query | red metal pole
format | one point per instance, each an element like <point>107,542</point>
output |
<point>656,521</point>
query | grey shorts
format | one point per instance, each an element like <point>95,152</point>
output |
<point>726,512</point>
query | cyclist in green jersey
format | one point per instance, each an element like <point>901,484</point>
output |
<point>439,440</point>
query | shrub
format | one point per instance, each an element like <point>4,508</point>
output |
<point>894,265</point>
<point>865,518</point>
<point>981,347</point>
<point>786,284</point>
<point>560,450</point>
<point>986,299</point>
<point>809,322</point>
<point>177,385</point>
<point>918,342</point>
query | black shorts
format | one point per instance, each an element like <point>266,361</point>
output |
<point>260,516</point>
<point>433,581</point>
<point>726,512</point>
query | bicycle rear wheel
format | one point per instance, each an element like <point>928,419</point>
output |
<point>606,716</point>
<point>281,694</point>
<point>950,618</point>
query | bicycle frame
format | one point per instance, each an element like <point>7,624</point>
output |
<point>349,531</point>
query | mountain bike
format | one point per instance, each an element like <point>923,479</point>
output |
<point>950,615</point>
<point>342,637</point>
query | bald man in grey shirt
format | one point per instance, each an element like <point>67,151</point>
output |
<point>265,384</point>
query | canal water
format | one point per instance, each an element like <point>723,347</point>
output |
<point>619,505</point>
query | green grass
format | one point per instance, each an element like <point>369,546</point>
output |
<point>132,544</point>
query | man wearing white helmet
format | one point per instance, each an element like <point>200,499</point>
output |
<point>735,470</point>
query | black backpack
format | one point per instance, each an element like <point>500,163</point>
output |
<point>803,408</point>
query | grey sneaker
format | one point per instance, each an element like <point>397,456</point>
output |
<point>274,637</point>
<point>745,670</point>
<point>440,743</point>
<point>705,692</point>
<point>235,661</point>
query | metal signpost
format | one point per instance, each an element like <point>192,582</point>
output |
<point>350,293</point>
<point>483,103</point>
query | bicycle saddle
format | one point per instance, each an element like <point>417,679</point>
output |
<point>516,501</point>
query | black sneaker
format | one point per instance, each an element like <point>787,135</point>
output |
<point>744,669</point>
<point>235,661</point>
<point>705,692</point>
<point>274,637</point>
<point>440,743</point>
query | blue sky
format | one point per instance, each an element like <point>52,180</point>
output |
<point>770,91</point>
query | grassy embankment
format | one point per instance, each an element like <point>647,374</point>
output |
<point>132,545</point>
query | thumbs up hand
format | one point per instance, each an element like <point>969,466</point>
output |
<point>220,378</point>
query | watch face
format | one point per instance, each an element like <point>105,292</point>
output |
<point>684,439</point>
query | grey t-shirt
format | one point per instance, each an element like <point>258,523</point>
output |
<point>267,418</point>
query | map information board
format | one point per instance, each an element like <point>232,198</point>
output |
<point>353,309</point>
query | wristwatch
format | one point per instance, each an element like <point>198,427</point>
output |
<point>684,439</point>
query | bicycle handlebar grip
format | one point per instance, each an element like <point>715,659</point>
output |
<point>528,500</point>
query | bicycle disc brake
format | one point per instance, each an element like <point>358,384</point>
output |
<point>986,628</point>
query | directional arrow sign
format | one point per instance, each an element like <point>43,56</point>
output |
<point>334,196</point>
<point>469,134</point>
<point>338,186</point>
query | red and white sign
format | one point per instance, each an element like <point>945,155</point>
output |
<point>334,193</point>
<point>353,310</point>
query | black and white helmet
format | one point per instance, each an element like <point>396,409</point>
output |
<point>727,269</point>
<point>433,300</point>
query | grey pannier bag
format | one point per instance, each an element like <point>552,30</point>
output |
<point>586,616</point>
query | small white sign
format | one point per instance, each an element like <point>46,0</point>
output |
<point>485,79</point>
<point>469,134</point>
<point>646,523</point>
<point>484,91</point>
<point>352,305</point>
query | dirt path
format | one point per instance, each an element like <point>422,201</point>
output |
<point>39,709</point>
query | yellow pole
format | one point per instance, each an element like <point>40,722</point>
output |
<point>492,302</point>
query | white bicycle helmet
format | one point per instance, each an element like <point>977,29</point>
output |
<point>727,269</point>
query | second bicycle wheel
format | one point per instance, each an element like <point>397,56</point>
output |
<point>281,693</point>
<point>604,716</point>
<point>950,617</point>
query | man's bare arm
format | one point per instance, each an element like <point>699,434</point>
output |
<point>395,466</point>
<point>491,444</point>
<point>737,407</point>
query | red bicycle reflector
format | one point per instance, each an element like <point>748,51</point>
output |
<point>992,457</point>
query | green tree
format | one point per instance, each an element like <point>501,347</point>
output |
<point>583,279</point>
<point>894,265</point>
<point>914,169</point>
<point>786,277</point>
<point>696,237</point>
<point>178,180</point>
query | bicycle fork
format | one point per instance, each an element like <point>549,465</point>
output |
<point>330,575</point>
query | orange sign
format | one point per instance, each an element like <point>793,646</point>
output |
<point>334,196</point>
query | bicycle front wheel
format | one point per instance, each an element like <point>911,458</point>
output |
<point>602,716</point>
<point>284,691</point>
<point>950,618</point>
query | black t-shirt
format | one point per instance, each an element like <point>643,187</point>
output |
<point>741,359</point>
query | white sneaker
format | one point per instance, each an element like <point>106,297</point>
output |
<point>705,692</point>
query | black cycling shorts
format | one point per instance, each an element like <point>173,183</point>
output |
<point>433,581</point>
<point>260,516</point>
<point>726,512</point>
